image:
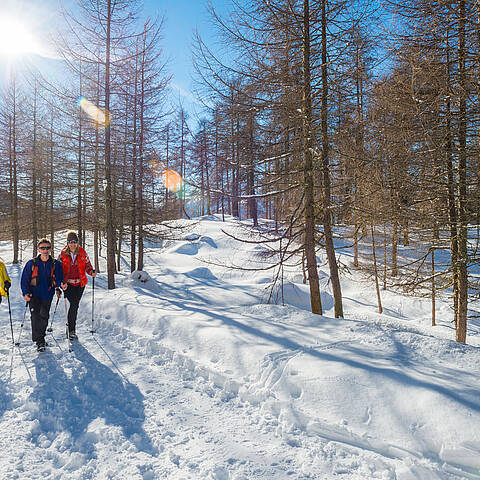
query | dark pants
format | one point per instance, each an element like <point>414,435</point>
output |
<point>39,314</point>
<point>73,294</point>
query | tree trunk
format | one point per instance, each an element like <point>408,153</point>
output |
<point>327,222</point>
<point>461,333</point>
<point>34,175</point>
<point>308,169</point>
<point>96,192</point>
<point>134,182</point>
<point>79,167</point>
<point>395,246</point>
<point>405,232</point>
<point>252,202</point>
<point>452,208</point>
<point>125,169</point>
<point>141,160</point>
<point>384,257</point>
<point>202,177</point>
<point>207,171</point>
<point>167,153</point>
<point>108,166</point>
<point>375,271</point>
<point>15,226</point>
<point>433,286</point>
<point>13,182</point>
<point>182,161</point>
<point>51,215</point>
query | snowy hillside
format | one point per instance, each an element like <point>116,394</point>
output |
<point>191,375</point>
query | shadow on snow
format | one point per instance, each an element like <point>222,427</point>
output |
<point>92,392</point>
<point>468,397</point>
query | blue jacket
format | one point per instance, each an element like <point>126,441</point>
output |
<point>43,290</point>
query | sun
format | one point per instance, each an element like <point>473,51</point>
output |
<point>16,39</point>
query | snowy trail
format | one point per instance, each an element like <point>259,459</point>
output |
<point>190,375</point>
<point>152,429</point>
<point>154,414</point>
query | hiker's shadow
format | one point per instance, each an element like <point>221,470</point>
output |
<point>92,392</point>
<point>5,399</point>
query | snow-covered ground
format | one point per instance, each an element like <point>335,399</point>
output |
<point>191,375</point>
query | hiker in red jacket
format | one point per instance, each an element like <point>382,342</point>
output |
<point>75,265</point>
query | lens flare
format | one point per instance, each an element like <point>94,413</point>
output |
<point>171,179</point>
<point>100,117</point>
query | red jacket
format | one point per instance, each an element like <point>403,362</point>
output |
<point>75,272</point>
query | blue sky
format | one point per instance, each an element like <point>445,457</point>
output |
<point>181,19</point>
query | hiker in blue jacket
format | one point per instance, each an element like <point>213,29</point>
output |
<point>41,277</point>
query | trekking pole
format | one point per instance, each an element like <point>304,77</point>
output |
<point>10,314</point>
<point>92,331</point>
<point>66,326</point>
<point>50,329</point>
<point>17,343</point>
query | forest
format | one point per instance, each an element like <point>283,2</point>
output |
<point>320,116</point>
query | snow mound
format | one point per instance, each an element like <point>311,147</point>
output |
<point>298,296</point>
<point>186,249</point>
<point>192,243</point>
<point>140,276</point>
<point>202,273</point>
<point>214,218</point>
<point>208,240</point>
<point>296,278</point>
<point>192,237</point>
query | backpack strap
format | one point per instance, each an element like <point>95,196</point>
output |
<point>33,278</point>
<point>34,273</point>
<point>52,272</point>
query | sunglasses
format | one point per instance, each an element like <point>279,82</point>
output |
<point>72,241</point>
<point>44,248</point>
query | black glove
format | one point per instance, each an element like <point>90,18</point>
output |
<point>7,285</point>
<point>59,292</point>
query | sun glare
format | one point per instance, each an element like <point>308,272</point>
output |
<point>16,39</point>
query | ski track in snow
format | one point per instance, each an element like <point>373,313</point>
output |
<point>194,430</point>
<point>152,429</point>
<point>130,403</point>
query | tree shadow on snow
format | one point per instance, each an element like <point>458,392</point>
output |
<point>468,396</point>
<point>92,392</point>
